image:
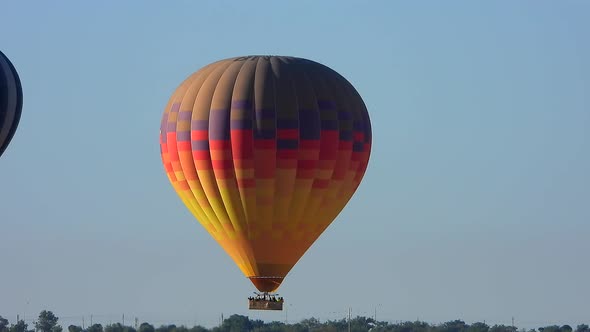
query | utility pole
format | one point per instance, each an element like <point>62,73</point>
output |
<point>349,313</point>
<point>90,319</point>
<point>136,321</point>
<point>83,328</point>
<point>123,319</point>
<point>25,312</point>
<point>513,323</point>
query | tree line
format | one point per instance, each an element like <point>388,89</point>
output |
<point>48,322</point>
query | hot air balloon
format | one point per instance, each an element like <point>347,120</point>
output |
<point>11,101</point>
<point>265,151</point>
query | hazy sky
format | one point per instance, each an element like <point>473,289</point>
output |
<point>475,205</point>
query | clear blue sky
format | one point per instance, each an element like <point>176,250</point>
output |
<point>476,203</point>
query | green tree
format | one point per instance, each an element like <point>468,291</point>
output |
<point>310,323</point>
<point>566,328</point>
<point>360,323</point>
<point>236,323</point>
<point>419,326</point>
<point>295,328</point>
<point>20,326</point>
<point>582,328</point>
<point>118,327</point>
<point>551,328</point>
<point>257,324</point>
<point>146,327</point>
<point>454,326</point>
<point>416,326</point>
<point>502,328</point>
<point>198,328</point>
<point>478,327</point>
<point>74,328</point>
<point>166,328</point>
<point>3,324</point>
<point>47,322</point>
<point>94,328</point>
<point>270,327</point>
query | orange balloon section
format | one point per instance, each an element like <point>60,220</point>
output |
<point>265,151</point>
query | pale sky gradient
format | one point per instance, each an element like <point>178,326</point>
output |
<point>475,205</point>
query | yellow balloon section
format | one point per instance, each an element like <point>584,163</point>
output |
<point>265,151</point>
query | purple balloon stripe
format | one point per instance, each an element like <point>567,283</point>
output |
<point>241,124</point>
<point>358,126</point>
<point>218,110</point>
<point>357,146</point>
<point>164,121</point>
<point>287,123</point>
<point>183,136</point>
<point>241,104</point>
<point>367,122</point>
<point>288,144</point>
<point>346,135</point>
<point>219,133</point>
<point>219,124</point>
<point>329,125</point>
<point>185,115</point>
<point>163,128</point>
<point>344,115</point>
<point>264,133</point>
<point>200,145</point>
<point>265,113</point>
<point>175,107</point>
<point>309,124</point>
<point>306,115</point>
<point>200,124</point>
<point>326,104</point>
<point>171,126</point>
<point>310,132</point>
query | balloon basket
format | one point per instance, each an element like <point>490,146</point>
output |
<point>265,302</point>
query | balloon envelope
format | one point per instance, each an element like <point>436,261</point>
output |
<point>265,151</point>
<point>11,101</point>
